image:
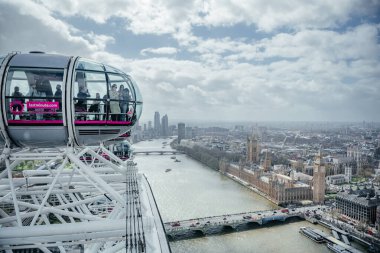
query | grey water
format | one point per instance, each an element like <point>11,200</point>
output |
<point>191,190</point>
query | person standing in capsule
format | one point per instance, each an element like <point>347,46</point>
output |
<point>33,93</point>
<point>114,103</point>
<point>18,101</point>
<point>124,101</point>
<point>58,98</point>
<point>81,105</point>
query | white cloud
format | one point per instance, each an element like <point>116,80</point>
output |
<point>269,15</point>
<point>143,17</point>
<point>161,50</point>
<point>166,87</point>
<point>34,27</point>
<point>356,43</point>
<point>306,73</point>
<point>170,16</point>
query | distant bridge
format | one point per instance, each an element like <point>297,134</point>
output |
<point>232,222</point>
<point>159,152</point>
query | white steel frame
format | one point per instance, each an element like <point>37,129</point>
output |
<point>76,199</point>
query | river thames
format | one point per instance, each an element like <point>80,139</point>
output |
<point>191,190</point>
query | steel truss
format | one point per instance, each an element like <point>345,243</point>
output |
<point>84,199</point>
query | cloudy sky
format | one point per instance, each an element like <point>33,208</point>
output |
<point>219,60</point>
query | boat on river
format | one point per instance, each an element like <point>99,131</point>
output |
<point>308,232</point>
<point>336,248</point>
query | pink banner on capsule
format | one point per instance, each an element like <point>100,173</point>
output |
<point>42,105</point>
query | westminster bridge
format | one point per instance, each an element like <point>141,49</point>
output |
<point>219,224</point>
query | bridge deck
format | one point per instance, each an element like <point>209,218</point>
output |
<point>159,152</point>
<point>211,224</point>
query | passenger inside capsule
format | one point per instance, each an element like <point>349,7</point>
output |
<point>33,93</point>
<point>81,105</point>
<point>17,103</point>
<point>58,98</point>
<point>124,101</point>
<point>114,103</point>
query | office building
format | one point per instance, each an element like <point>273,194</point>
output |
<point>360,205</point>
<point>165,126</point>
<point>157,124</point>
<point>181,132</point>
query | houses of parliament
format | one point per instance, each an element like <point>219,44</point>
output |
<point>278,186</point>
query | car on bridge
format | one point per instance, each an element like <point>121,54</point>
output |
<point>176,224</point>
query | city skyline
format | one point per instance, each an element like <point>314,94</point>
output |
<point>220,61</point>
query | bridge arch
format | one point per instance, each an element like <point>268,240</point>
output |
<point>170,237</point>
<point>253,223</point>
<point>228,228</point>
<point>293,218</point>
<point>199,232</point>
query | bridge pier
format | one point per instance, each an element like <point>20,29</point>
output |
<point>186,233</point>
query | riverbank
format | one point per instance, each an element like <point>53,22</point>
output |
<point>249,186</point>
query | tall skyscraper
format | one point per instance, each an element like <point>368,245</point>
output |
<point>181,132</point>
<point>165,126</point>
<point>319,185</point>
<point>253,149</point>
<point>157,125</point>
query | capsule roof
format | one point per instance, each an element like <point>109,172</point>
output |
<point>40,60</point>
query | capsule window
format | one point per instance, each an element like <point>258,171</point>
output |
<point>89,65</point>
<point>90,96</point>
<point>112,69</point>
<point>102,95</point>
<point>138,99</point>
<point>122,105</point>
<point>34,96</point>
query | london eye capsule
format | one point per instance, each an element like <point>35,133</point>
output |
<point>52,100</point>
